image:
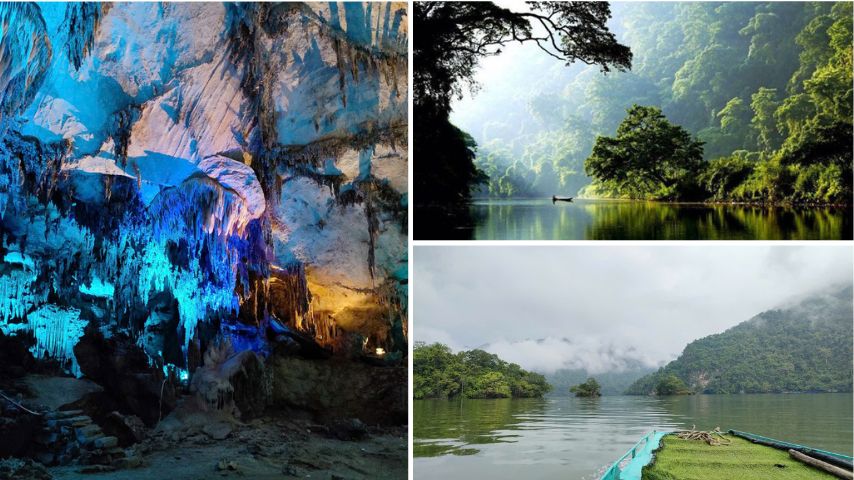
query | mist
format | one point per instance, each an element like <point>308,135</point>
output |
<point>602,308</point>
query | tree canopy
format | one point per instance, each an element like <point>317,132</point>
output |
<point>452,37</point>
<point>590,388</point>
<point>439,373</point>
<point>670,384</point>
<point>649,157</point>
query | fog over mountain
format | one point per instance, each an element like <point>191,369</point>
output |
<point>603,308</point>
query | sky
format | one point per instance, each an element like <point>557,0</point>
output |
<point>519,70</point>
<point>605,308</point>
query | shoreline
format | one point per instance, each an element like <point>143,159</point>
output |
<point>667,202</point>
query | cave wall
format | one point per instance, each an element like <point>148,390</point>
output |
<point>178,171</point>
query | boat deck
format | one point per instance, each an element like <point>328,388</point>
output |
<point>696,460</point>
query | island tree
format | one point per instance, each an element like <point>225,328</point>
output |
<point>649,157</point>
<point>590,388</point>
<point>451,38</point>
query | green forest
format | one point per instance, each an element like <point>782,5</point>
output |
<point>440,373</point>
<point>803,348</point>
<point>742,101</point>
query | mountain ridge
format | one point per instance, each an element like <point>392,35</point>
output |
<point>804,347</point>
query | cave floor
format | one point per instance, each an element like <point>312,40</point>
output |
<point>266,448</point>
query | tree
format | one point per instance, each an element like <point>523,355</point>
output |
<point>451,38</point>
<point>489,385</point>
<point>764,103</point>
<point>649,157</point>
<point>733,116</point>
<point>590,388</point>
<point>671,385</point>
<point>722,175</point>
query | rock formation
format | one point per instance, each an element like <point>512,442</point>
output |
<point>178,172</point>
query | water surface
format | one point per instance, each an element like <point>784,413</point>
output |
<point>569,438</point>
<point>582,219</point>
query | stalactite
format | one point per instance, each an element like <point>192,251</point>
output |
<point>289,294</point>
<point>56,331</point>
<point>339,63</point>
<point>119,131</point>
<point>81,23</point>
<point>26,54</point>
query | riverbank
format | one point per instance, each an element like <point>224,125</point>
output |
<point>769,204</point>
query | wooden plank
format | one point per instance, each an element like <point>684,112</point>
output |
<point>831,469</point>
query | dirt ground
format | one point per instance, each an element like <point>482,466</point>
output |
<point>194,442</point>
<point>263,449</point>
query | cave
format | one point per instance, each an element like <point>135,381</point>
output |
<point>203,240</point>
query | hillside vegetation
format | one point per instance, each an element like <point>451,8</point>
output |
<point>440,373</point>
<point>764,86</point>
<point>802,348</point>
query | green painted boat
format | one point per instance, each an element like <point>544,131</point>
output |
<point>741,455</point>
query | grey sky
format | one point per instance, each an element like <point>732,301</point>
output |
<point>612,304</point>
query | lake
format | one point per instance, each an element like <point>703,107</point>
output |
<point>572,438</point>
<point>584,219</point>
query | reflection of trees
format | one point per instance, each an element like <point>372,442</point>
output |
<point>527,220</point>
<point>652,220</point>
<point>447,222</point>
<point>626,219</point>
<point>587,405</point>
<point>450,427</point>
<point>613,220</point>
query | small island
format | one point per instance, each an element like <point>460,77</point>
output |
<point>438,372</point>
<point>590,389</point>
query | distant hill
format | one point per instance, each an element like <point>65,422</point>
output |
<point>801,348</point>
<point>613,383</point>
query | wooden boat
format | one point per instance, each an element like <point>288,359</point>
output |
<point>734,454</point>
<point>556,198</point>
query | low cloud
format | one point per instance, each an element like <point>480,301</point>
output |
<point>605,308</point>
<point>549,354</point>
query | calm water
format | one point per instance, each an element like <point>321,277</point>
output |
<point>571,438</point>
<point>626,219</point>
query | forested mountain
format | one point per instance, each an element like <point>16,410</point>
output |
<point>439,373</point>
<point>802,348</point>
<point>765,85</point>
<point>612,383</point>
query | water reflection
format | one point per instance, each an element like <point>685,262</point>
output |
<point>579,438</point>
<point>619,220</point>
<point>462,423</point>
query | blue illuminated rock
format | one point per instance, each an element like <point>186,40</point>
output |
<point>178,172</point>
